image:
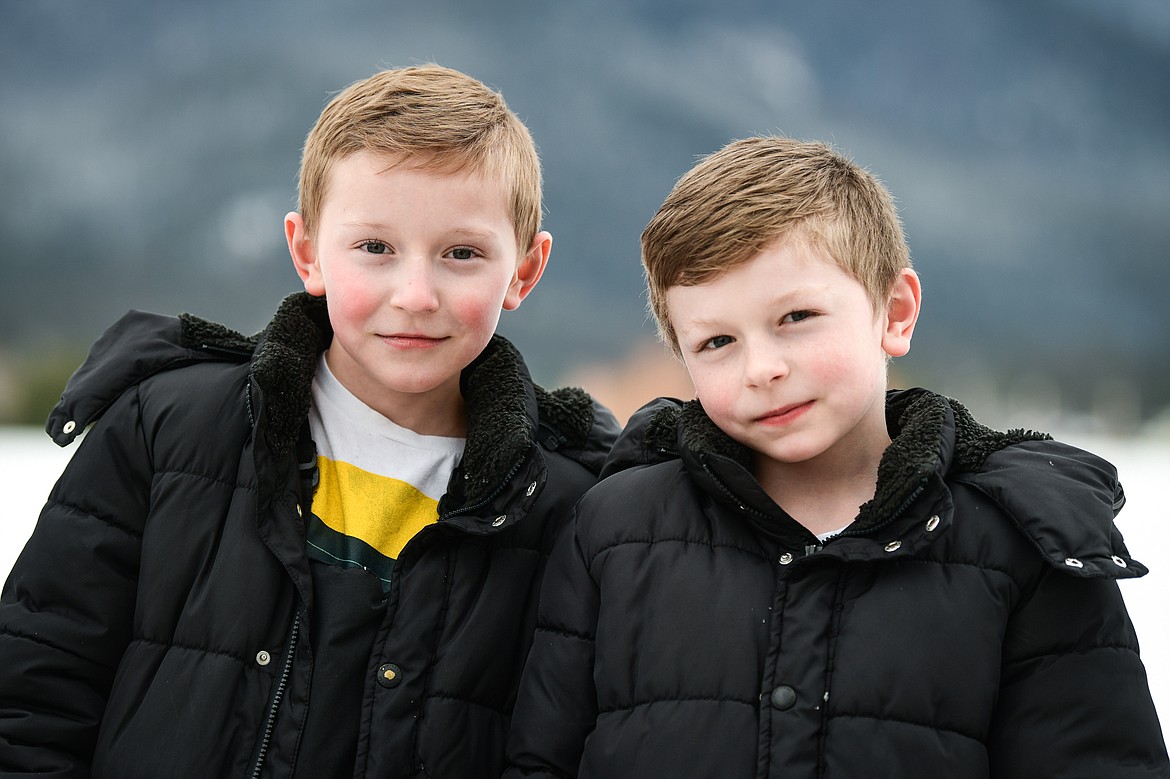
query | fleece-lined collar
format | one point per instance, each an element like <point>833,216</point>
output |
<point>1063,498</point>
<point>504,406</point>
<point>930,435</point>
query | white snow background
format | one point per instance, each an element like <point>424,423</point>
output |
<point>30,463</point>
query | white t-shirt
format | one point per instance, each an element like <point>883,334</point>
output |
<point>823,537</point>
<point>380,483</point>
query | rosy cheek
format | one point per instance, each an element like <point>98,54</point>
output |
<point>475,311</point>
<point>351,306</point>
<point>832,371</point>
<point>834,365</point>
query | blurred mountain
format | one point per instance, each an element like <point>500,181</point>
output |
<point>148,152</point>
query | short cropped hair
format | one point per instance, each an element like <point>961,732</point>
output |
<point>431,117</point>
<point>754,192</point>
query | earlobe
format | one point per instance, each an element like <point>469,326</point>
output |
<point>902,309</point>
<point>529,270</point>
<point>304,254</point>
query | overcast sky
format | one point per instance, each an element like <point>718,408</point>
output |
<point>148,152</point>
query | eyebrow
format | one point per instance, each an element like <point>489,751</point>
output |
<point>702,323</point>
<point>470,233</point>
<point>790,298</point>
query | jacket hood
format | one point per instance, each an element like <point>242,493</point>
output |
<point>505,409</point>
<point>137,346</point>
<point>1063,498</point>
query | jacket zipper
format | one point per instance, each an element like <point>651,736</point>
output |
<point>277,696</point>
<point>893,517</point>
<point>743,505</point>
<point>499,488</point>
<point>455,513</point>
<point>813,548</point>
<point>732,496</point>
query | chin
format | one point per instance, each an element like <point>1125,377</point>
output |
<point>414,388</point>
<point>792,454</point>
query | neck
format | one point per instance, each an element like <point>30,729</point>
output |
<point>425,416</point>
<point>438,411</point>
<point>825,492</point>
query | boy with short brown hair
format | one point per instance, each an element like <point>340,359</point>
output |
<point>314,552</point>
<point>801,574</point>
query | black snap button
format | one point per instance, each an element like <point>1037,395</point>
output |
<point>783,697</point>
<point>389,675</point>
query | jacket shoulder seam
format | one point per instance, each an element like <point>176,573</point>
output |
<point>38,640</point>
<point>1084,650</point>
<point>205,477</point>
<point>132,532</point>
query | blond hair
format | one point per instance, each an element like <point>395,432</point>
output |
<point>431,117</point>
<point>754,192</point>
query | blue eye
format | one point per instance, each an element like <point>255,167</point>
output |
<point>718,342</point>
<point>462,253</point>
<point>797,316</point>
<point>374,247</point>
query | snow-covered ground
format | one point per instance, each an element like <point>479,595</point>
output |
<point>30,463</point>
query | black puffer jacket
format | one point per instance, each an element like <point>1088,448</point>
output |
<point>157,624</point>
<point>966,625</point>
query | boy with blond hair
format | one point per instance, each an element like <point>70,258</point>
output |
<point>798,574</point>
<point>314,552</point>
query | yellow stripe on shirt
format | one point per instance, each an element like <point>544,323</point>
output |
<point>381,511</point>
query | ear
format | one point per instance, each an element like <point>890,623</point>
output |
<point>304,254</point>
<point>901,313</point>
<point>528,270</point>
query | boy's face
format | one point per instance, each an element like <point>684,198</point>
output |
<point>789,358</point>
<point>417,266</point>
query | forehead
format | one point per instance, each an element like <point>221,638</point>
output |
<point>367,180</point>
<point>371,162</point>
<point>786,271</point>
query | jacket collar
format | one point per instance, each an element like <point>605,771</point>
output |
<point>503,404</point>
<point>1064,499</point>
<point>932,437</point>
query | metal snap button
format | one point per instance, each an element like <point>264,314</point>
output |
<point>499,520</point>
<point>69,426</point>
<point>531,489</point>
<point>263,658</point>
<point>893,546</point>
<point>389,675</point>
<point>786,558</point>
<point>1073,562</point>
<point>932,523</point>
<point>1119,561</point>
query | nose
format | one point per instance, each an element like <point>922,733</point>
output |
<point>415,290</point>
<point>764,363</point>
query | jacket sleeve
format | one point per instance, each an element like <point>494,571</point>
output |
<point>1074,700</point>
<point>556,707</point>
<point>67,607</point>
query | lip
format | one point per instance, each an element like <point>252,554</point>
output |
<point>411,340</point>
<point>785,415</point>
